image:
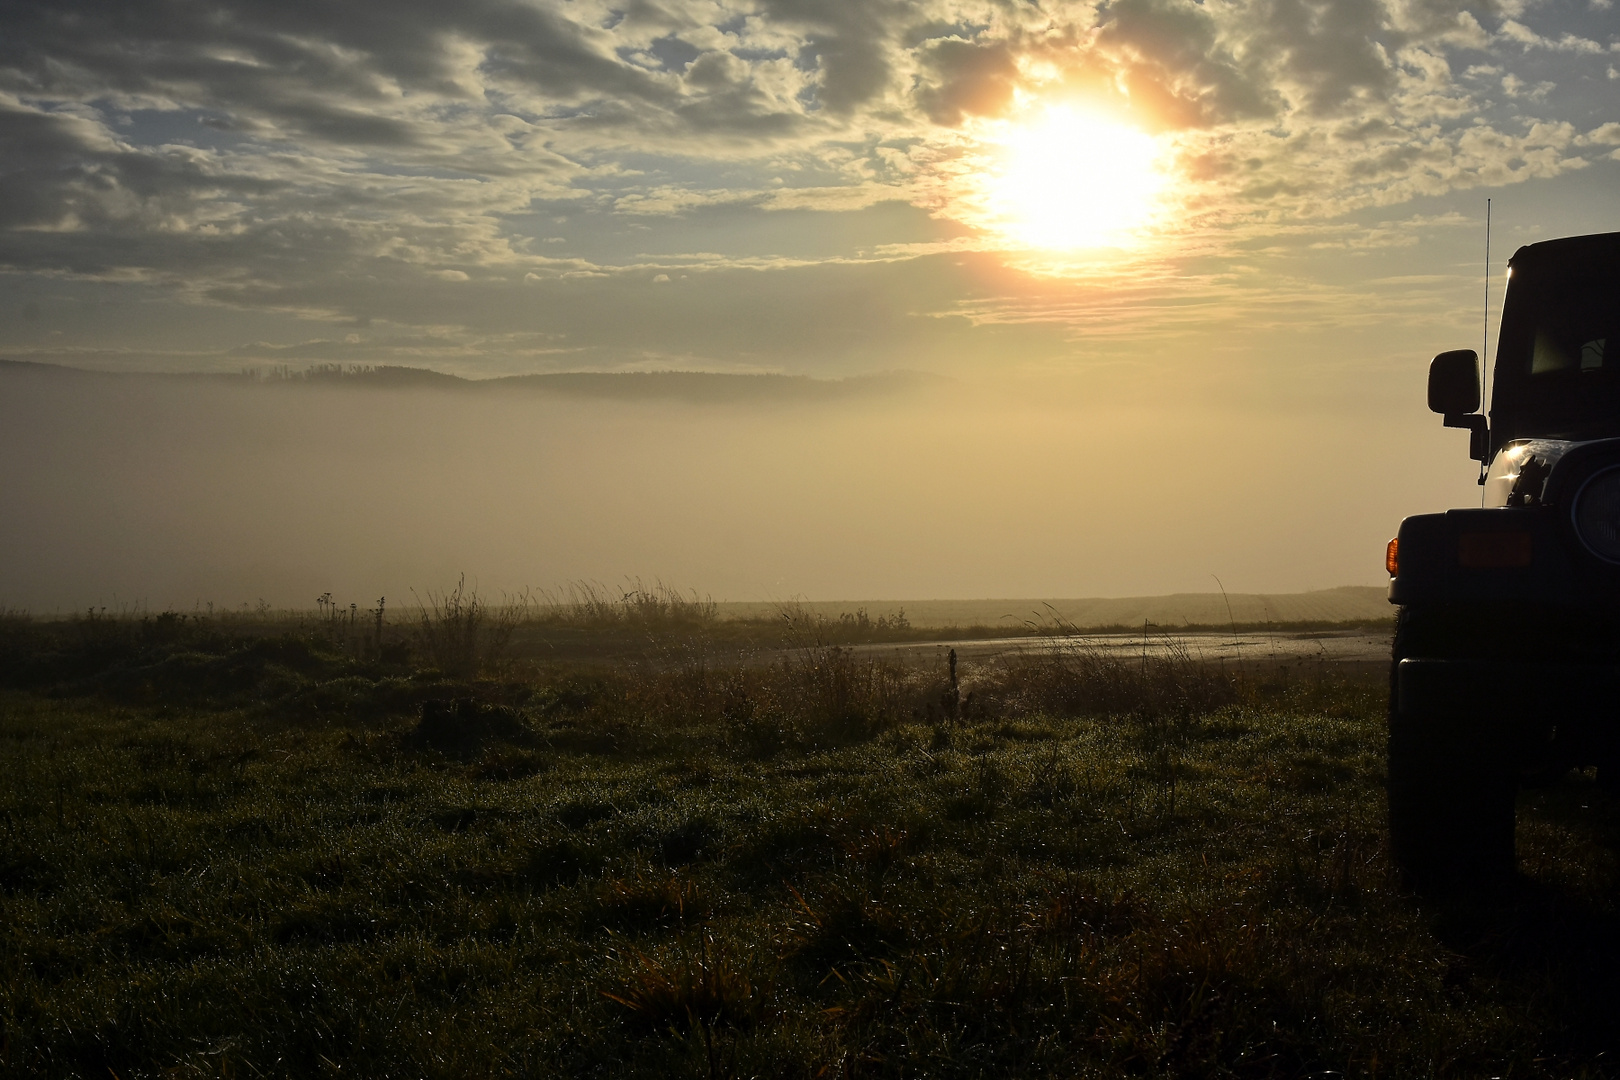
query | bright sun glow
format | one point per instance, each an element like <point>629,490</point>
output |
<point>1072,179</point>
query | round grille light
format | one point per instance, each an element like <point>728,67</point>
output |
<point>1597,514</point>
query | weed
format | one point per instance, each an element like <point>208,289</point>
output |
<point>707,992</point>
<point>637,606</point>
<point>803,626</point>
<point>462,634</point>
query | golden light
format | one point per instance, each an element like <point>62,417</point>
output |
<point>1072,179</point>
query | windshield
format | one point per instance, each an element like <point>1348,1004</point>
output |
<point>1558,363</point>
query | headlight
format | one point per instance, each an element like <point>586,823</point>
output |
<point>1597,514</point>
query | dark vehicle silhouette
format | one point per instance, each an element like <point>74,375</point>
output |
<point>1507,644</point>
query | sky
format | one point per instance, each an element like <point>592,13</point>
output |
<point>1178,268</point>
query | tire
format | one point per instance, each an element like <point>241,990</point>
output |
<point>1451,787</point>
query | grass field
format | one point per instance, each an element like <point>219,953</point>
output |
<point>225,854</point>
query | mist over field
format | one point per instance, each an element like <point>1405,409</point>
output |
<point>162,491</point>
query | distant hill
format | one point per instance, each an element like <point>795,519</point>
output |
<point>1349,603</point>
<point>684,386</point>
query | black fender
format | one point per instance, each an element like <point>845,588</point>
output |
<point>1499,555</point>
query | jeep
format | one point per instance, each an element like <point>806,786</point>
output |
<point>1506,658</point>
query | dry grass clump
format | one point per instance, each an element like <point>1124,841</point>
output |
<point>818,696</point>
<point>706,992</point>
<point>634,606</point>
<point>650,900</point>
<point>706,987</point>
<point>464,635</point>
<point>822,695</point>
<point>805,628</point>
<point>1066,679</point>
<point>832,689</point>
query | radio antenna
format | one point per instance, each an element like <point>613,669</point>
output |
<point>1485,337</point>
<point>1485,346</point>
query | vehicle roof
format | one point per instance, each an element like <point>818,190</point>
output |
<point>1602,246</point>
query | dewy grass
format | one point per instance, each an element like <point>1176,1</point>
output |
<point>802,868</point>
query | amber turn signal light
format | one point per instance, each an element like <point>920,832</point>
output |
<point>1392,557</point>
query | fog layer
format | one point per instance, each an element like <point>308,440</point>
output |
<point>167,492</point>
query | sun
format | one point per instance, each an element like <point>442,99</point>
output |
<point>1072,179</point>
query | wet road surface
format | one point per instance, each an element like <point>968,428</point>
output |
<point>1358,649</point>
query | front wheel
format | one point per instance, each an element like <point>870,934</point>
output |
<point>1451,814</point>
<point>1451,788</point>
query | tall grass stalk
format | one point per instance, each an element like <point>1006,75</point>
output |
<point>1068,675</point>
<point>634,606</point>
<point>462,633</point>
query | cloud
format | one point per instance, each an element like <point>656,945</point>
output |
<point>289,64</point>
<point>1604,135</point>
<point>964,78</point>
<point>847,43</point>
<point>1172,58</point>
<point>410,161</point>
<point>1522,35</point>
<point>66,172</point>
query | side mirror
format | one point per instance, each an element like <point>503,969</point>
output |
<point>1454,382</point>
<point>1454,391</point>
